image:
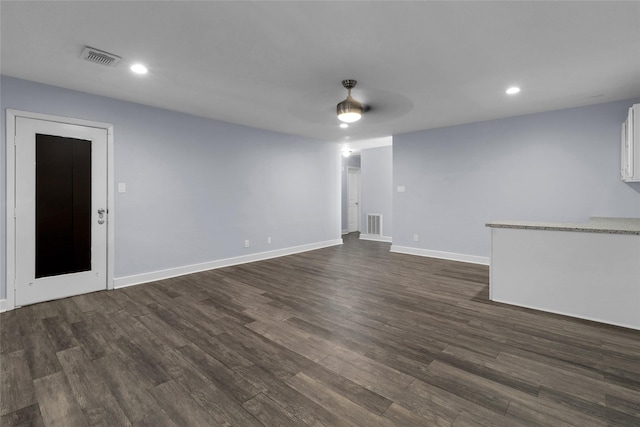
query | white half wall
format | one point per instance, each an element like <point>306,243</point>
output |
<point>594,276</point>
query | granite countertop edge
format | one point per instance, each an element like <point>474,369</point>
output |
<point>595,225</point>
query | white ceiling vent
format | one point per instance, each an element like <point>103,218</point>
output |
<point>100,57</point>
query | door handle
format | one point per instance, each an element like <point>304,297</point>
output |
<point>101,216</point>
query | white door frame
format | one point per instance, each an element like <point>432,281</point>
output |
<point>11,195</point>
<point>359,214</point>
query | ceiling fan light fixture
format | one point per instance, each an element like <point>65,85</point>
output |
<point>349,110</point>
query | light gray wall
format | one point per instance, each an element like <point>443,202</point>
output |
<point>353,161</point>
<point>376,177</point>
<point>555,166</point>
<point>196,188</point>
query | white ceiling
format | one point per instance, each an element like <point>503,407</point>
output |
<point>278,65</point>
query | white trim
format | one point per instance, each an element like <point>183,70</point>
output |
<point>345,232</point>
<point>11,116</point>
<point>359,202</point>
<point>137,279</point>
<point>491,272</point>
<point>339,207</point>
<point>567,314</point>
<point>3,305</point>
<point>375,237</point>
<point>472,259</point>
<point>111,191</point>
<point>10,165</point>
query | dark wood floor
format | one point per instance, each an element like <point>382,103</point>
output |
<point>349,335</point>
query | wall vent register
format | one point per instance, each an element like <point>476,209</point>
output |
<point>100,57</point>
<point>374,224</point>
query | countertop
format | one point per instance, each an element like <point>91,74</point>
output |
<point>595,225</point>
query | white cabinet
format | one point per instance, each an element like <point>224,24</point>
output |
<point>630,146</point>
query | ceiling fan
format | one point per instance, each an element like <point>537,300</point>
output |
<point>350,110</point>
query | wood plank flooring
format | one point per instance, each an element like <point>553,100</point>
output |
<point>351,335</point>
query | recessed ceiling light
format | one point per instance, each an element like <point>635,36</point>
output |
<point>513,90</point>
<point>139,69</point>
<point>344,125</point>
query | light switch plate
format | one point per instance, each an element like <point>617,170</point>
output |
<point>122,187</point>
<point>401,189</point>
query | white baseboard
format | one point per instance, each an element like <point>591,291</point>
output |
<point>473,259</point>
<point>573,315</point>
<point>122,282</point>
<point>375,237</point>
<point>3,305</point>
<point>345,232</point>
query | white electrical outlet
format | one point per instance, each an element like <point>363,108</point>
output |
<point>246,243</point>
<point>268,240</point>
<point>415,237</point>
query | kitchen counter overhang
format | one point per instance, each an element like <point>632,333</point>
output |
<point>595,225</point>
